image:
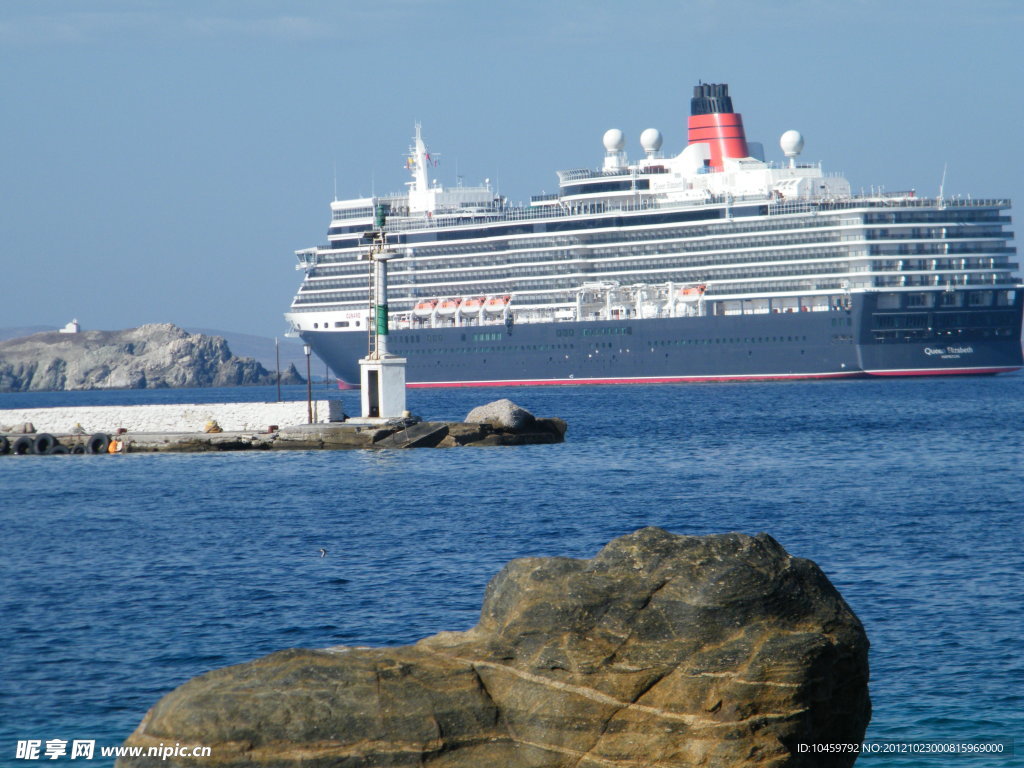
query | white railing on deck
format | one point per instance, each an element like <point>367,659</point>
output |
<point>644,203</point>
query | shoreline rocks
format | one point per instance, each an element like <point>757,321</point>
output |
<point>661,650</point>
<point>156,356</point>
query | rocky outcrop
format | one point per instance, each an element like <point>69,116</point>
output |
<point>148,357</point>
<point>662,650</point>
<point>501,413</point>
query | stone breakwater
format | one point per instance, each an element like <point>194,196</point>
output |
<point>258,426</point>
<point>148,357</point>
<point>230,417</point>
<point>662,650</point>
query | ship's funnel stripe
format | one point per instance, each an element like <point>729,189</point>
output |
<point>722,132</point>
<point>710,134</point>
<point>716,119</point>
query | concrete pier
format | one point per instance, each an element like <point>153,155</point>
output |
<point>248,426</point>
<point>230,417</point>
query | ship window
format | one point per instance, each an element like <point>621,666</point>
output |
<point>951,299</point>
<point>979,298</point>
<point>889,301</point>
<point>341,323</point>
<point>920,299</point>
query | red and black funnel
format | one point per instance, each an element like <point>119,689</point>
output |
<point>713,122</point>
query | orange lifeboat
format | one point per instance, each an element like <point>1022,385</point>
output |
<point>692,293</point>
<point>448,307</point>
<point>496,304</point>
<point>424,308</point>
<point>471,306</point>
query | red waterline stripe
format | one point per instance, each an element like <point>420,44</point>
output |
<point>695,379</point>
<point>650,380</point>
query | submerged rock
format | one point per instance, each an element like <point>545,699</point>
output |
<point>662,650</point>
<point>148,357</point>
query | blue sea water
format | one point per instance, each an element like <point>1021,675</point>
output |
<point>124,576</point>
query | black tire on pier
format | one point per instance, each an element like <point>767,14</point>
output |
<point>43,444</point>
<point>58,449</point>
<point>5,445</point>
<point>78,450</point>
<point>98,443</point>
<point>22,446</point>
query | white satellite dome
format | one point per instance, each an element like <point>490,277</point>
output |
<point>614,140</point>
<point>792,143</point>
<point>651,140</point>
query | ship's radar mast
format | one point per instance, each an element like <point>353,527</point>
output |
<point>614,143</point>
<point>651,141</point>
<point>792,143</point>
<point>421,195</point>
<point>419,158</point>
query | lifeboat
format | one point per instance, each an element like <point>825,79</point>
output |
<point>448,307</point>
<point>692,293</point>
<point>471,306</point>
<point>496,304</point>
<point>424,308</point>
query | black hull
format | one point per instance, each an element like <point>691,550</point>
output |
<point>802,345</point>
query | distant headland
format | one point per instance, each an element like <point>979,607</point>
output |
<point>157,356</point>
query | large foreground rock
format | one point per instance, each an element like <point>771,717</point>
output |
<point>662,650</point>
<point>148,357</point>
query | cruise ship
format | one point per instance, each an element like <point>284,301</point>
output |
<point>712,264</point>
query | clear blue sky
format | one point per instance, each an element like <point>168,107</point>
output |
<point>162,159</point>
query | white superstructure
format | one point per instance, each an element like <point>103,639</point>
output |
<point>638,239</point>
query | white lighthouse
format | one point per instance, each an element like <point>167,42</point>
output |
<point>381,374</point>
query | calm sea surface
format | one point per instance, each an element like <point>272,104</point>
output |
<point>124,576</point>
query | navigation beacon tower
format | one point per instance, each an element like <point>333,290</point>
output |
<point>382,375</point>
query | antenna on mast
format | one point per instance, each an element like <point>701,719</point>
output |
<point>942,185</point>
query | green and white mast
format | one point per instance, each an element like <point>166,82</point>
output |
<point>382,375</point>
